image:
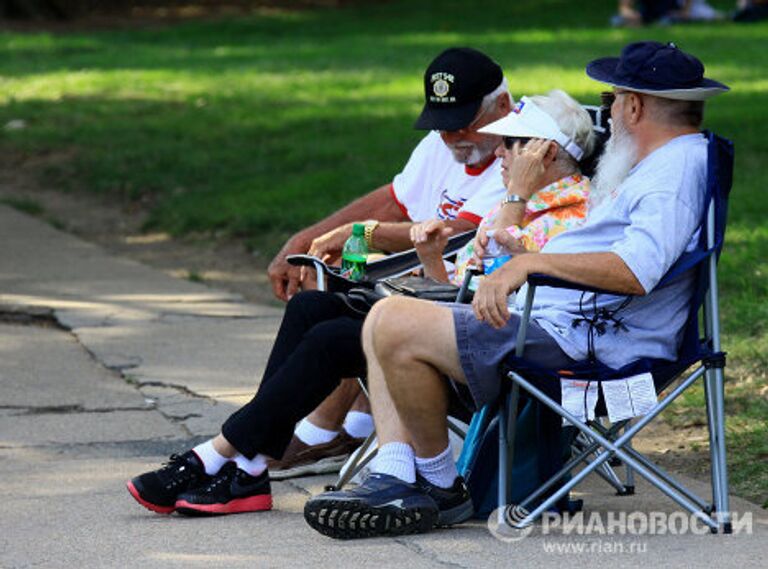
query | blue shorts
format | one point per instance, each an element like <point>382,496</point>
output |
<point>482,348</point>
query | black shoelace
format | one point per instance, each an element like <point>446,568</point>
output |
<point>178,470</point>
<point>598,323</point>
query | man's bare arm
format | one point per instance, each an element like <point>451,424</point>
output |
<point>397,236</point>
<point>600,270</point>
<point>377,204</point>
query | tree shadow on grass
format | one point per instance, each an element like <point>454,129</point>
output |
<point>207,168</point>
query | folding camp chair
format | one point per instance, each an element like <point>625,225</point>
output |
<point>330,279</point>
<point>701,350</point>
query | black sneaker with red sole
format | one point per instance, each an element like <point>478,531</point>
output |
<point>231,491</point>
<point>159,489</point>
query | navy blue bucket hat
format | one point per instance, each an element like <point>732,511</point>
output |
<point>658,69</point>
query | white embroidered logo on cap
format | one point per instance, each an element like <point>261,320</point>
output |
<point>441,86</point>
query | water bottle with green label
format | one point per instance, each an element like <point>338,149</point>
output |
<point>354,254</point>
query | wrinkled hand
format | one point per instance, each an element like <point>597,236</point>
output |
<point>479,245</point>
<point>285,279</point>
<point>490,300</point>
<point>528,168</point>
<point>501,236</point>
<point>429,238</point>
<point>329,245</point>
<point>506,240</point>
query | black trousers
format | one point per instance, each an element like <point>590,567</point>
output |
<point>319,344</point>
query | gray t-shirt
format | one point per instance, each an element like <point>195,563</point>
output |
<point>649,221</point>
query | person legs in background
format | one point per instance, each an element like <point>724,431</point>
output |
<point>751,11</point>
<point>635,13</point>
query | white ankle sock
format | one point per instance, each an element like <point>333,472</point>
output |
<point>396,459</point>
<point>313,435</point>
<point>212,460</point>
<point>439,470</point>
<point>358,424</point>
<point>253,466</point>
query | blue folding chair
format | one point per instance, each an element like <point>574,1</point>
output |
<point>699,349</point>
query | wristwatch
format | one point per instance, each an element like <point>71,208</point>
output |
<point>370,227</point>
<point>513,198</point>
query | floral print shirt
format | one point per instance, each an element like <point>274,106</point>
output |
<point>553,209</point>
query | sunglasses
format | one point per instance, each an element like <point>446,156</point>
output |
<point>607,98</point>
<point>509,141</point>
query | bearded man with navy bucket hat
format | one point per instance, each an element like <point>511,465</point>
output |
<point>645,211</point>
<point>661,70</point>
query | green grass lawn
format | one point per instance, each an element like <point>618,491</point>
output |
<point>257,126</point>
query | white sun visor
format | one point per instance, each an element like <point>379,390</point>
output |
<point>528,121</point>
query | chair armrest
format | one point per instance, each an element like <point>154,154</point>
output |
<point>393,265</point>
<point>538,279</point>
<point>397,264</point>
<point>305,261</point>
<point>328,278</point>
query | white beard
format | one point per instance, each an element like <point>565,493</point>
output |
<point>617,159</point>
<point>471,153</point>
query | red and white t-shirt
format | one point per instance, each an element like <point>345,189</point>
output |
<point>434,186</point>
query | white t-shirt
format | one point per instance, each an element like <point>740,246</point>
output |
<point>652,219</point>
<point>434,186</point>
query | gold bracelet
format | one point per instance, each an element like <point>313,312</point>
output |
<point>370,227</point>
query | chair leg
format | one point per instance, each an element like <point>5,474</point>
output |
<point>581,455</point>
<point>723,506</point>
<point>507,427</point>
<point>357,465</point>
<point>605,470</point>
<point>456,429</point>
<point>611,448</point>
<point>714,465</point>
<point>629,485</point>
<point>363,387</point>
<point>666,477</point>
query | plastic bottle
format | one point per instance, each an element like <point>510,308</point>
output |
<point>354,254</point>
<point>495,255</point>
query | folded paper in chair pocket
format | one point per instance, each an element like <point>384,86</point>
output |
<point>629,397</point>
<point>579,398</point>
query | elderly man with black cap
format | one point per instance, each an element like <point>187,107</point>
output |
<point>447,175</point>
<point>452,175</point>
<point>649,192</point>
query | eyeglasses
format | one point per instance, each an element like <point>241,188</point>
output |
<point>509,141</point>
<point>617,92</point>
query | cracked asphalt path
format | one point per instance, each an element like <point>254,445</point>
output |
<point>107,367</point>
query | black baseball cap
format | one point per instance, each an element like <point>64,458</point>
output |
<point>654,68</point>
<point>454,86</point>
